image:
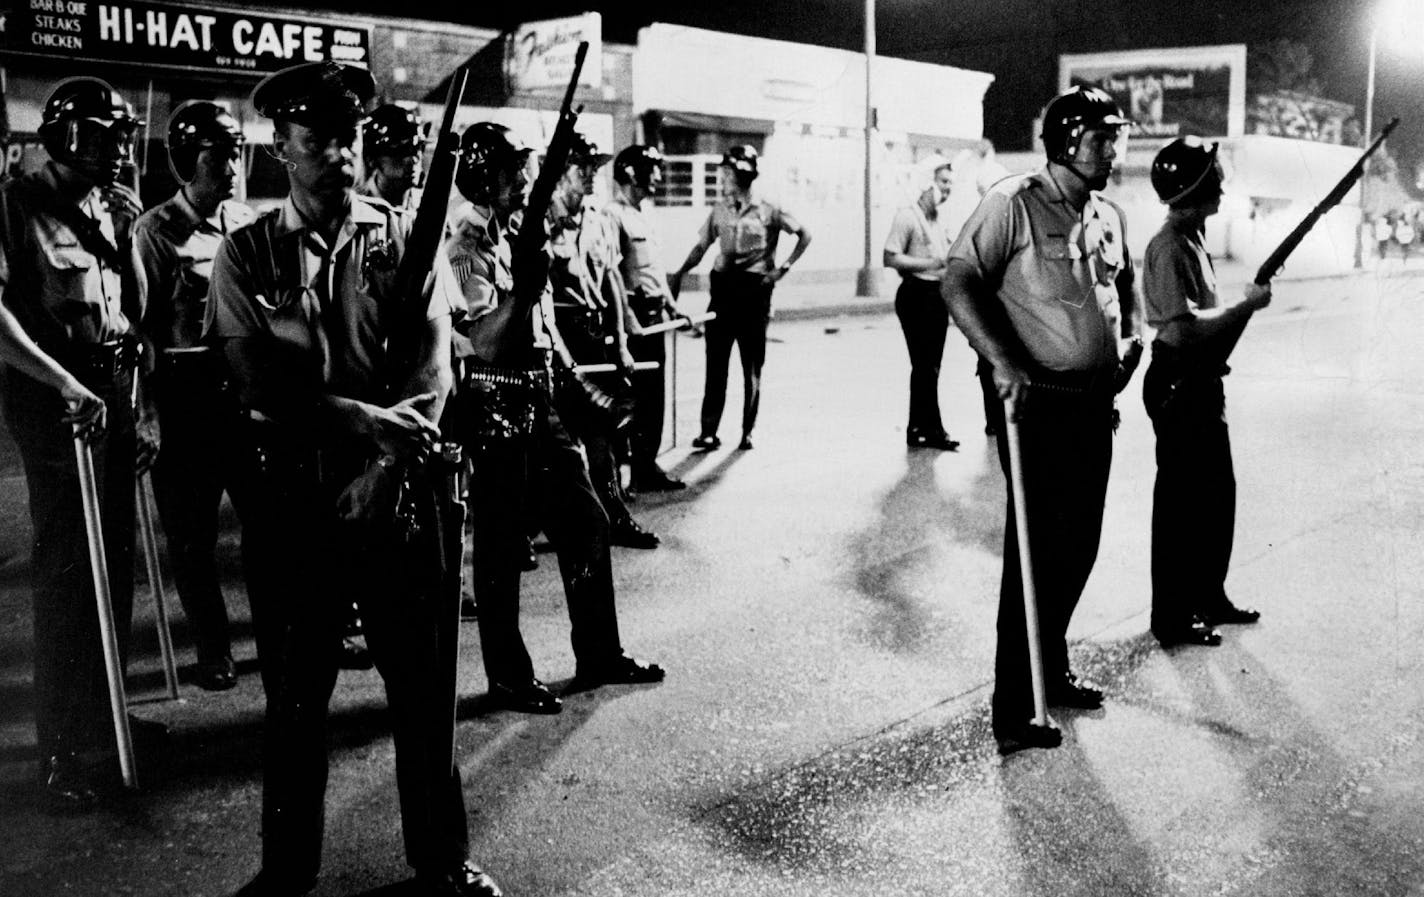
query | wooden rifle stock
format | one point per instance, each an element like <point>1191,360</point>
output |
<point>533,235</point>
<point>1272,265</point>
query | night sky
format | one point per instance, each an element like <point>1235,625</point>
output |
<point>1018,41</point>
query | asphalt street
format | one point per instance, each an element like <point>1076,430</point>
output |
<point>825,605</point>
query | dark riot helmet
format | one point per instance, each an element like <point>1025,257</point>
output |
<point>636,164</point>
<point>89,126</point>
<point>1183,167</point>
<point>486,149</point>
<point>743,162</point>
<point>585,153</point>
<point>392,130</point>
<point>1073,113</point>
<point>195,126</point>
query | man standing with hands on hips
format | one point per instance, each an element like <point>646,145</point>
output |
<point>746,230</point>
<point>1194,499</point>
<point>1040,282</point>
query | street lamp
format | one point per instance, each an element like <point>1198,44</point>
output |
<point>866,282</point>
<point>1391,13</point>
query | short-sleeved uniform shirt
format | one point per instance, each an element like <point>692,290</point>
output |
<point>912,234</point>
<point>474,275</point>
<point>1062,275</point>
<point>61,292</point>
<point>277,280</point>
<point>583,249</point>
<point>173,249</point>
<point>746,236</point>
<point>1178,277</point>
<point>638,245</point>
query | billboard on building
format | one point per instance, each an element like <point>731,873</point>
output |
<point>1169,92</point>
<point>540,55</point>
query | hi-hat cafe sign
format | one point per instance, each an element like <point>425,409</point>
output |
<point>173,36</point>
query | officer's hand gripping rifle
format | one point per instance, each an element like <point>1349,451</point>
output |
<point>1272,265</point>
<point>528,256</point>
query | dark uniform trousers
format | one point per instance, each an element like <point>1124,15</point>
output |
<point>742,303</point>
<point>198,418</point>
<point>303,566</point>
<point>924,318</point>
<point>649,387</point>
<point>543,480</point>
<point>1065,439</point>
<point>594,428</point>
<point>72,710</point>
<point>1194,497</point>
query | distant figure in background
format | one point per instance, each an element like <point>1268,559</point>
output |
<point>918,247</point>
<point>1404,235</point>
<point>747,230</point>
<point>1383,232</point>
<point>174,244</point>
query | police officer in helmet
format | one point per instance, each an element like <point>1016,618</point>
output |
<point>174,244</point>
<point>522,456</point>
<point>1194,498</point>
<point>68,340</point>
<point>392,146</point>
<point>637,172</point>
<point>1049,306</point>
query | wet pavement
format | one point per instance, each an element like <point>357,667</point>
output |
<point>825,607</point>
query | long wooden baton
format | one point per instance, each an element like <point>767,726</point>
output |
<point>677,324</point>
<point>89,494</point>
<point>143,487</point>
<point>1030,595</point>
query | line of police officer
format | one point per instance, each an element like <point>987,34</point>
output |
<point>331,445</point>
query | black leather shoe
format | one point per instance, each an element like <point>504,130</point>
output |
<point>469,610</point>
<point>940,441</point>
<point>1021,738</point>
<point>1077,693</point>
<point>624,670</point>
<point>354,655</point>
<point>216,675</point>
<point>1228,614</point>
<point>629,534</point>
<point>705,443</point>
<point>531,697</point>
<point>65,783</point>
<point>1194,634</point>
<point>265,884</point>
<point>746,444</point>
<point>657,480</point>
<point>467,881</point>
